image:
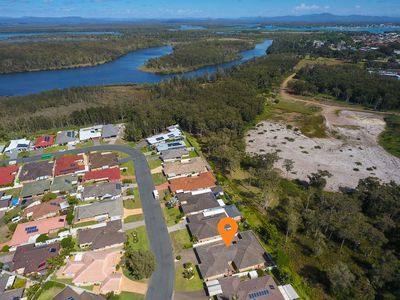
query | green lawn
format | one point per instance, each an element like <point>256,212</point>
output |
<point>85,144</point>
<point>184,285</point>
<point>390,137</point>
<point>134,218</point>
<point>154,163</point>
<point>192,154</point>
<point>193,142</point>
<point>88,223</point>
<point>142,242</point>
<point>171,215</point>
<point>180,240</point>
<point>50,293</point>
<point>132,203</point>
<point>159,178</point>
<point>130,168</point>
<point>127,296</point>
<point>54,149</point>
<point>19,283</point>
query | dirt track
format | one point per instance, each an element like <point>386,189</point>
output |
<point>354,156</point>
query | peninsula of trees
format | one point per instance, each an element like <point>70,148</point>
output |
<point>194,55</point>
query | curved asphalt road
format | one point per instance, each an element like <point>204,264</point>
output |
<point>162,281</point>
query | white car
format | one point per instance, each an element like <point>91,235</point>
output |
<point>156,195</point>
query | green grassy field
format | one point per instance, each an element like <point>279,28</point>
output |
<point>130,168</point>
<point>170,215</point>
<point>159,178</point>
<point>185,285</point>
<point>126,296</point>
<point>180,240</point>
<point>50,293</point>
<point>390,137</point>
<point>133,218</point>
<point>132,203</point>
<point>154,163</point>
<point>142,241</point>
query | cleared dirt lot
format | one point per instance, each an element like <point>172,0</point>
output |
<point>352,153</point>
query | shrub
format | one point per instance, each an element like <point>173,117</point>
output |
<point>5,248</point>
<point>48,197</point>
<point>42,238</point>
<point>140,263</point>
<point>178,257</point>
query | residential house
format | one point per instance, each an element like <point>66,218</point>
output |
<point>173,133</point>
<point>35,188</point>
<point>245,253</point>
<point>90,133</point>
<point>233,212</point>
<point>184,168</point>
<point>204,229</point>
<point>18,145</point>
<point>188,184</point>
<point>65,184</point>
<point>102,160</point>
<point>100,211</point>
<point>46,209</point>
<point>170,145</point>
<point>194,203</point>
<point>36,171</point>
<point>288,292</point>
<point>110,175</point>
<point>70,164</point>
<point>174,154</point>
<point>69,137</point>
<point>7,175</point>
<point>26,233</point>
<point>30,259</point>
<point>15,294</point>
<point>110,131</point>
<point>95,268</point>
<point>109,235</point>
<point>262,288</point>
<point>5,202</point>
<point>108,190</point>
<point>44,141</point>
<point>70,293</point>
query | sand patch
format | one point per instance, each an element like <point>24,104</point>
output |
<point>354,156</point>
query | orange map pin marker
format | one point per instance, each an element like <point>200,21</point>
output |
<point>227,228</point>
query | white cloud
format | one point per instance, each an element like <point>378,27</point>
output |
<point>310,8</point>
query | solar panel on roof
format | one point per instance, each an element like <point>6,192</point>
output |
<point>31,229</point>
<point>257,294</point>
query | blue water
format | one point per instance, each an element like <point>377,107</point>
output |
<point>122,70</point>
<point>376,30</point>
<point>191,27</point>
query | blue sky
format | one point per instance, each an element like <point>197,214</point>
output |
<point>193,8</point>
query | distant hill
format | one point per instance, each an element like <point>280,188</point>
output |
<point>324,18</point>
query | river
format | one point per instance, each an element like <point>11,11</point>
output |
<point>120,71</point>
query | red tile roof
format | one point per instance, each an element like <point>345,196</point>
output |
<point>26,230</point>
<point>7,175</point>
<point>69,164</point>
<point>186,184</point>
<point>110,175</point>
<point>44,141</point>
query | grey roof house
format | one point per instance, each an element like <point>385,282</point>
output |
<point>35,188</point>
<point>64,184</point>
<point>67,137</point>
<point>108,190</point>
<point>204,228</point>
<point>69,293</point>
<point>196,203</point>
<point>262,288</point>
<point>15,294</point>
<point>36,170</point>
<point>174,154</point>
<point>110,235</point>
<point>245,253</point>
<point>109,131</point>
<point>107,209</point>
